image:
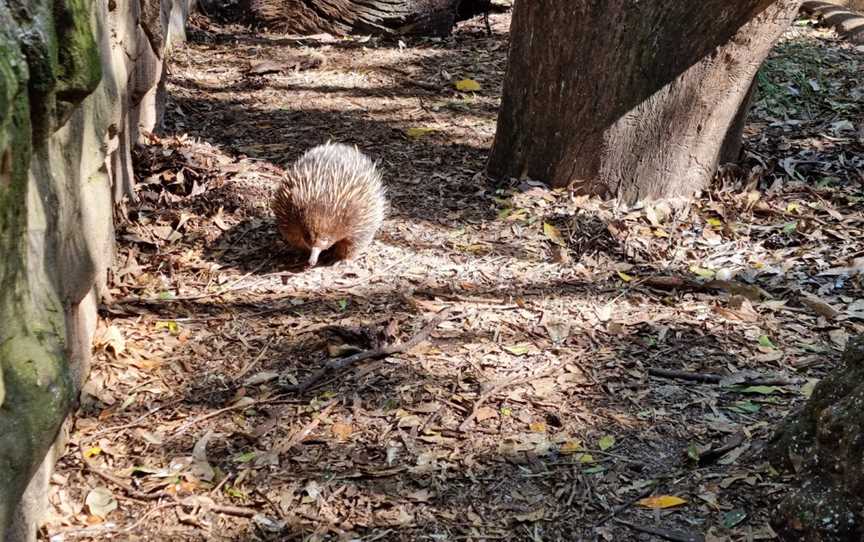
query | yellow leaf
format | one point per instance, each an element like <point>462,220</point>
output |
<point>715,222</point>
<point>624,276</point>
<point>538,427</point>
<point>467,85</point>
<point>553,234</point>
<point>702,272</point>
<point>416,133</point>
<point>571,446</point>
<point>792,207</point>
<point>172,326</point>
<point>91,452</point>
<point>341,431</point>
<point>661,501</point>
<point>517,350</point>
<point>660,233</point>
<point>606,442</point>
<point>586,458</point>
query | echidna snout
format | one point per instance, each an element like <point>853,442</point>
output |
<point>331,203</point>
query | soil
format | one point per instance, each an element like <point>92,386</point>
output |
<point>537,408</point>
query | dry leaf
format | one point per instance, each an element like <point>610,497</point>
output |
<point>101,502</point>
<point>661,501</point>
<point>553,234</point>
<point>342,431</point>
<point>484,413</point>
<point>467,85</point>
<point>416,133</point>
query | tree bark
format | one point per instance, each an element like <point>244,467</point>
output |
<point>398,17</point>
<point>629,99</point>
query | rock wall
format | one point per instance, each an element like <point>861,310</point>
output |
<point>79,84</point>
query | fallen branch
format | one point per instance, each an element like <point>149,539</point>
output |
<point>377,353</point>
<point>707,378</point>
<point>666,534</point>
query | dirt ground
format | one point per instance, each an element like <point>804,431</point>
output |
<point>588,357</point>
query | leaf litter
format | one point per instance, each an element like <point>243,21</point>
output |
<point>601,371</point>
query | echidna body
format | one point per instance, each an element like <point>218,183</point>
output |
<point>332,198</point>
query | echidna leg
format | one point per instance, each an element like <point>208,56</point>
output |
<point>343,250</point>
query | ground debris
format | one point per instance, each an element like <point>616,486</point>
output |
<point>534,414</point>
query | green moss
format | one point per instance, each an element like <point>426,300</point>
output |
<point>15,138</point>
<point>79,63</point>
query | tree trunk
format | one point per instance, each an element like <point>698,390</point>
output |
<point>398,17</point>
<point>629,99</point>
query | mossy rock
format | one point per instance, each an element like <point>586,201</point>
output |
<point>824,444</point>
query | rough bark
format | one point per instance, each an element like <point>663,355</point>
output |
<point>398,17</point>
<point>72,103</point>
<point>846,17</point>
<point>824,444</point>
<point>629,99</point>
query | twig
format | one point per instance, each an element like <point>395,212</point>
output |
<point>276,416</point>
<point>127,489</point>
<point>298,437</point>
<point>140,495</point>
<point>621,507</point>
<point>186,426</point>
<point>674,536</point>
<point>382,352</point>
<point>135,423</point>
<point>497,389</point>
<point>707,378</point>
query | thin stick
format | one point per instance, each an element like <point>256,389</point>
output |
<point>621,507</point>
<point>382,352</point>
<point>674,536</point>
<point>186,426</point>
<point>140,495</point>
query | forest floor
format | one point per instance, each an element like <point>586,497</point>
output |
<point>537,407</point>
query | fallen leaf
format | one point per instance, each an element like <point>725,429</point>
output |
<point>467,85</point>
<point>570,447</point>
<point>92,452</point>
<point>819,306</point>
<point>661,501</point>
<point>537,427</point>
<point>765,342</point>
<point>606,442</point>
<point>553,234</point>
<point>518,349</point>
<point>416,133</point>
<point>484,413</point>
<point>342,431</point>
<point>101,502</point>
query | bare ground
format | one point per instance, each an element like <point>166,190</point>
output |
<point>529,413</point>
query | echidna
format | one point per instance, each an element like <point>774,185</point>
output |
<point>331,200</point>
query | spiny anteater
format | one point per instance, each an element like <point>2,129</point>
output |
<point>331,197</point>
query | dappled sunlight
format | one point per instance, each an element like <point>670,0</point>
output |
<point>587,356</point>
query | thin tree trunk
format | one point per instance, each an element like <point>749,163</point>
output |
<point>629,99</point>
